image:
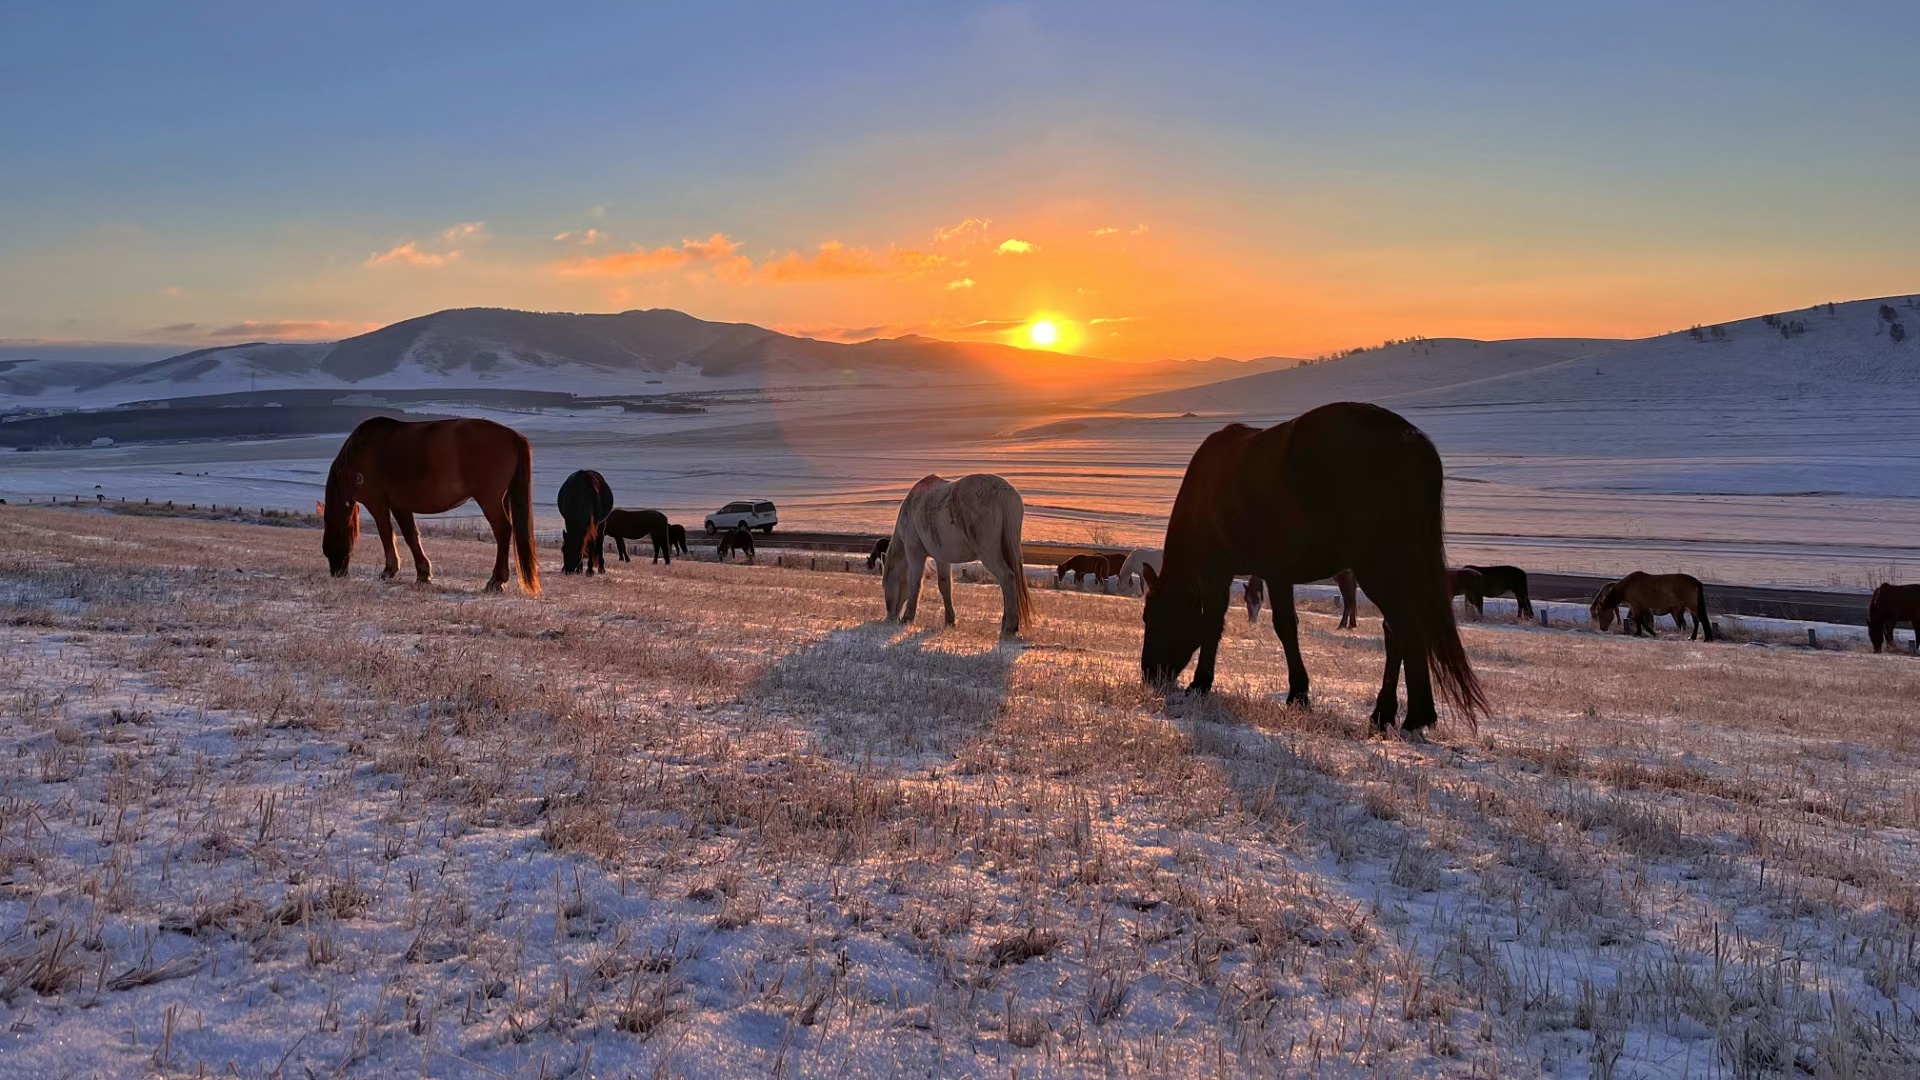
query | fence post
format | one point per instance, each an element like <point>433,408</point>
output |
<point>1813,638</point>
<point>1543,616</point>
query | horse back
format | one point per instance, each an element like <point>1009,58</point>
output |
<point>431,466</point>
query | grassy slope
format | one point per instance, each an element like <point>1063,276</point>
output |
<point>713,818</point>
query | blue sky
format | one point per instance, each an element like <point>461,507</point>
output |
<point>1309,176</point>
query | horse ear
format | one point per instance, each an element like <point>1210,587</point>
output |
<point>1152,579</point>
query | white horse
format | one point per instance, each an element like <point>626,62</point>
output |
<point>1136,559</point>
<point>975,517</point>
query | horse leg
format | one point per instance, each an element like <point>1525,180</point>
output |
<point>943,573</point>
<point>1421,713</point>
<point>1526,605</point>
<point>1349,599</point>
<point>503,540</point>
<point>1386,704</point>
<point>422,569</point>
<point>383,520</point>
<point>1215,597</point>
<point>1286,626</point>
<point>918,564</point>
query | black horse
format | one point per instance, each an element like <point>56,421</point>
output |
<point>677,538</point>
<point>1501,581</point>
<point>625,525</point>
<point>878,553</point>
<point>1343,486</point>
<point>737,539</point>
<point>585,502</point>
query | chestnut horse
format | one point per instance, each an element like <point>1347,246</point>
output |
<point>1647,595</point>
<point>397,468</point>
<point>625,525</point>
<point>585,501</point>
<point>1346,485</point>
<point>1256,593</point>
<point>1892,605</point>
<point>1100,566</point>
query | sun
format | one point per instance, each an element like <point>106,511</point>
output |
<point>1043,332</point>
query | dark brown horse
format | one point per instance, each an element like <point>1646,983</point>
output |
<point>1647,595</point>
<point>1502,581</point>
<point>625,525</point>
<point>677,538</point>
<point>737,539</point>
<point>1466,582</point>
<point>1256,593</point>
<point>1341,486</point>
<point>879,552</point>
<point>1080,565</point>
<point>585,501</point>
<point>397,469</point>
<point>1892,605</point>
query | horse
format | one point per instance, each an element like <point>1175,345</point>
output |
<point>397,468</point>
<point>625,525</point>
<point>1502,581</point>
<point>1137,558</point>
<point>1256,591</point>
<point>1892,605</point>
<point>879,552</point>
<point>585,501</point>
<point>977,516</point>
<point>740,539</point>
<point>1342,486</point>
<point>1080,565</point>
<point>1466,582</point>
<point>677,538</point>
<point>1647,595</point>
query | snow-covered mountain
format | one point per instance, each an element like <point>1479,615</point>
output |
<point>626,352</point>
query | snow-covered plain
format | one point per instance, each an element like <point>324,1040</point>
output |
<point>715,820</point>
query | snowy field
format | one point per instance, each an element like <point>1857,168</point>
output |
<point>716,820</point>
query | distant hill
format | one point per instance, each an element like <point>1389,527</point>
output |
<point>479,347</point>
<point>32,376</point>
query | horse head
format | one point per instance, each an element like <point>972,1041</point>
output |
<point>340,518</point>
<point>1173,617</point>
<point>1606,604</point>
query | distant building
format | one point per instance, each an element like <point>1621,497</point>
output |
<point>100,442</point>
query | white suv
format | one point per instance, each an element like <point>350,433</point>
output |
<point>753,513</point>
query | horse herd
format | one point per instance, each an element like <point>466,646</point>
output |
<point>1347,491</point>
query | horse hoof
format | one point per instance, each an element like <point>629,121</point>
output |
<point>1299,701</point>
<point>1417,736</point>
<point>495,586</point>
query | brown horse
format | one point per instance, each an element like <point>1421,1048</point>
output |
<point>397,469</point>
<point>1084,563</point>
<point>879,552</point>
<point>1346,485</point>
<point>1892,605</point>
<point>625,525</point>
<point>1256,593</point>
<point>1502,581</point>
<point>737,539</point>
<point>1466,582</point>
<point>1647,595</point>
<point>585,501</point>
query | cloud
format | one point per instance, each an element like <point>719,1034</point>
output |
<point>583,237</point>
<point>178,328</point>
<point>835,260</point>
<point>1106,230</point>
<point>961,283</point>
<point>972,230</point>
<point>409,254</point>
<point>466,230</point>
<point>173,292</point>
<point>717,248</point>
<point>1017,247</point>
<point>301,329</point>
<point>1114,319</point>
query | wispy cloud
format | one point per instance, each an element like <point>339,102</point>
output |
<point>972,230</point>
<point>1017,247</point>
<point>1104,320</point>
<point>466,230</point>
<point>835,260</point>
<point>176,329</point>
<point>1106,230</point>
<point>292,329</point>
<point>583,237</point>
<point>715,249</point>
<point>410,254</point>
<point>960,283</point>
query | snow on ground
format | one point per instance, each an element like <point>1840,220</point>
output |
<point>708,820</point>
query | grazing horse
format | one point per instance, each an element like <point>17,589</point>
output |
<point>677,539</point>
<point>1136,559</point>
<point>737,539</point>
<point>879,553</point>
<point>1466,582</point>
<point>397,469</point>
<point>977,516</point>
<point>625,525</point>
<point>1256,592</point>
<point>1345,485</point>
<point>1892,605</point>
<point>1647,595</point>
<point>585,501</point>
<point>1502,581</point>
<point>1100,566</point>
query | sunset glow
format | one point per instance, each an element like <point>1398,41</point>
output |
<point>1043,333</point>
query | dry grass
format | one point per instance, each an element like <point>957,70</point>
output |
<point>708,819</point>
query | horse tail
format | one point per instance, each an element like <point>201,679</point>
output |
<point>1016,562</point>
<point>520,509</point>
<point>1431,602</point>
<point>1700,610</point>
